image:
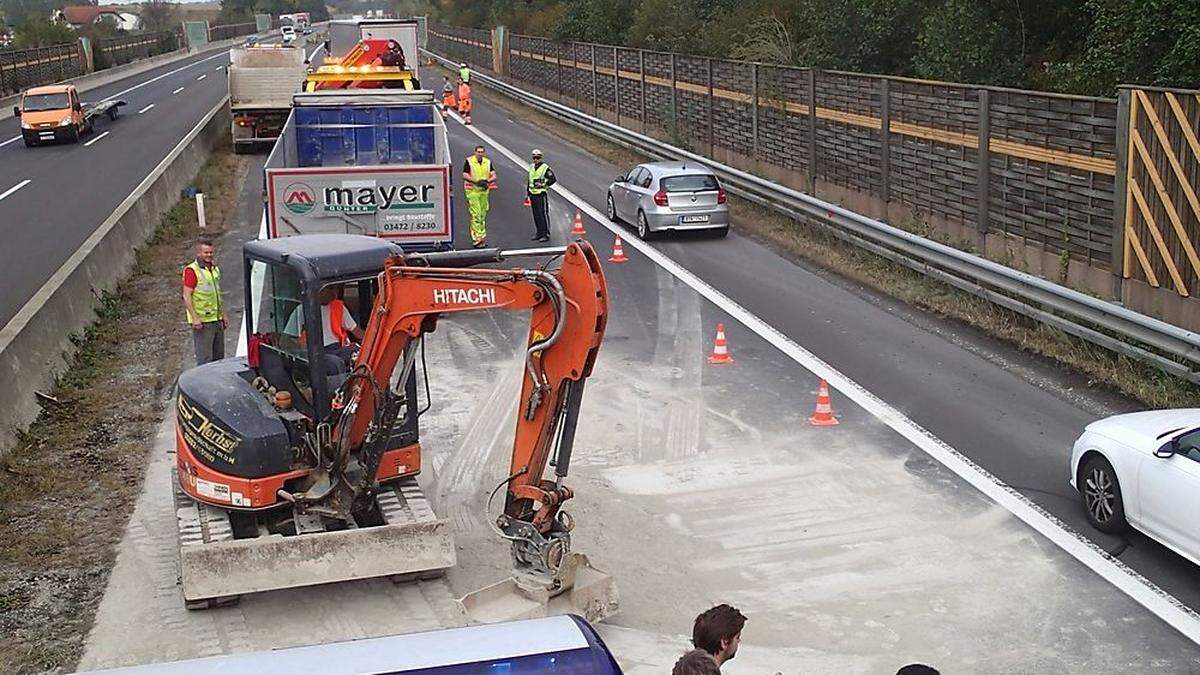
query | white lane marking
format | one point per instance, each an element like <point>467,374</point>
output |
<point>202,77</point>
<point>222,54</point>
<point>13,189</point>
<point>218,67</point>
<point>177,90</point>
<point>145,109</point>
<point>14,139</point>
<point>1128,581</point>
<point>96,138</point>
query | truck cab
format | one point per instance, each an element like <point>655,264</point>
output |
<point>52,113</point>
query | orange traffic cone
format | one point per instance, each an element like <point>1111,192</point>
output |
<point>720,355</point>
<point>823,415</point>
<point>577,230</point>
<point>618,255</point>
<point>526,204</point>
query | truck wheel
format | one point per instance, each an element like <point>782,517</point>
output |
<point>74,137</point>
<point>29,142</point>
<point>112,113</point>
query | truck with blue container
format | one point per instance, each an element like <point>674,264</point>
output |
<point>362,161</point>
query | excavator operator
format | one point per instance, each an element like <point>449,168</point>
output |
<point>340,332</point>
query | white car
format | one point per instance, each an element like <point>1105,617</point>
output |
<point>1142,470</point>
<point>289,34</point>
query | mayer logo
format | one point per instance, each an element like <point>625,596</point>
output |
<point>299,198</point>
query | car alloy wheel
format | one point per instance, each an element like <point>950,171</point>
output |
<point>612,209</point>
<point>1099,494</point>
<point>643,228</point>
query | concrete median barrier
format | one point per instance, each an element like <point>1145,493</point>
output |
<point>35,345</point>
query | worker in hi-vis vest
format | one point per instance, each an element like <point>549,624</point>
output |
<point>464,101</point>
<point>448,101</point>
<point>203,304</point>
<point>478,179</point>
<point>464,73</point>
<point>541,179</point>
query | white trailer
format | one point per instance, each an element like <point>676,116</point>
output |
<point>262,81</point>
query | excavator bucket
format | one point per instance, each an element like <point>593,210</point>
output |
<point>584,590</point>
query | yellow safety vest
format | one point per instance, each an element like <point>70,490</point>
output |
<point>206,296</point>
<point>465,74</point>
<point>479,171</point>
<point>537,173</point>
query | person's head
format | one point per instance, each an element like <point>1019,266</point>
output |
<point>479,151</point>
<point>204,251</point>
<point>327,295</point>
<point>537,156</point>
<point>718,631</point>
<point>445,78</point>
<point>393,46</point>
<point>462,65</point>
<point>696,662</point>
<point>917,669</point>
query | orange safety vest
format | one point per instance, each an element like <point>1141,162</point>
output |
<point>337,310</point>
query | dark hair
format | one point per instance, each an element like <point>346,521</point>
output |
<point>696,662</point>
<point>917,669</point>
<point>722,622</point>
<point>205,241</point>
<point>479,147</point>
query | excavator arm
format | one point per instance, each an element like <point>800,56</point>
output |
<point>568,311</point>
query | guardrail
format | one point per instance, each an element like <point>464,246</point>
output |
<point>1171,348</point>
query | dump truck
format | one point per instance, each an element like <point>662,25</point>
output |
<point>54,113</point>
<point>362,161</point>
<point>262,80</point>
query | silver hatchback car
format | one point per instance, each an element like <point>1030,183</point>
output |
<point>669,196</point>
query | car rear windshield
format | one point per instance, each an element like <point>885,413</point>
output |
<point>697,182</point>
<point>40,102</point>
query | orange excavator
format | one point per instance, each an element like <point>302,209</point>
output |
<point>297,463</point>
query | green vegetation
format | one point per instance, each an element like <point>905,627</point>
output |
<point>243,11</point>
<point>1082,46</point>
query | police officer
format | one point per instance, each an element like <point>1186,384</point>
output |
<point>541,177</point>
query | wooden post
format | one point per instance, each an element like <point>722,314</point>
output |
<point>712,137</point>
<point>617,84</point>
<point>1120,193</point>
<point>983,169</point>
<point>595,106</point>
<point>575,71</point>
<point>674,103</point>
<point>812,131</point>
<point>642,75</point>
<point>754,110</point>
<point>558,81</point>
<point>885,142</point>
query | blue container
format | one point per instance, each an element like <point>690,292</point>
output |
<point>365,135</point>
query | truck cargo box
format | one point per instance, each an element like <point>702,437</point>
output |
<point>362,161</point>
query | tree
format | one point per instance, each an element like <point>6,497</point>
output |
<point>595,20</point>
<point>970,41</point>
<point>40,32</point>
<point>1153,42</point>
<point>159,15</point>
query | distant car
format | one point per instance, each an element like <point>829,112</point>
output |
<point>1142,470</point>
<point>669,196</point>
<point>288,33</point>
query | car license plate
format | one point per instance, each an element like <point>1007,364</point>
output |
<point>693,219</point>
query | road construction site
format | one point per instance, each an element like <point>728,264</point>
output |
<point>849,547</point>
<point>932,522</point>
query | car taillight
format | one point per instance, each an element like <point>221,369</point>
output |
<point>721,196</point>
<point>660,198</point>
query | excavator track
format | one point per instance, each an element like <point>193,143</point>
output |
<point>217,566</point>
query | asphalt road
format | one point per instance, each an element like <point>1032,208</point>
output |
<point>1014,415</point>
<point>52,197</point>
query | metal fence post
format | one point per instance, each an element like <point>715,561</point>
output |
<point>983,169</point>
<point>1120,194</point>
<point>642,77</point>
<point>595,98</point>
<point>812,130</point>
<point>617,84</point>
<point>711,134</point>
<point>754,110</point>
<point>885,141</point>
<point>674,101</point>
